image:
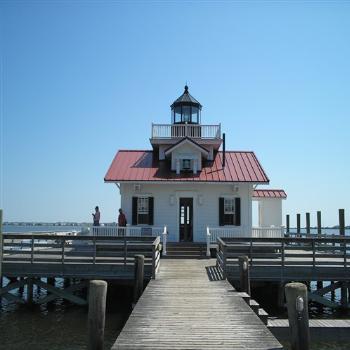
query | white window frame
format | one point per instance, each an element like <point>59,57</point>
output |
<point>230,209</point>
<point>142,208</point>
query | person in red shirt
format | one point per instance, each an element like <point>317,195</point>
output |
<point>121,219</point>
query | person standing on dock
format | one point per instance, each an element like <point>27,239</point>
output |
<point>96,216</point>
<point>121,223</point>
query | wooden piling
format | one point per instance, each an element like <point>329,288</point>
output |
<point>343,288</point>
<point>297,304</point>
<point>280,297</point>
<point>97,312</point>
<point>287,224</point>
<point>319,223</point>
<point>1,243</point>
<point>138,276</point>
<point>319,284</point>
<point>298,224</point>
<point>29,290</point>
<point>244,277</point>
<point>342,222</point>
<point>308,231</point>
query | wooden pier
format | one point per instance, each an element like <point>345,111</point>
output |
<point>27,259</point>
<point>190,306</point>
<point>287,259</point>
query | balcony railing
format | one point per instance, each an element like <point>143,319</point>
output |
<point>168,131</point>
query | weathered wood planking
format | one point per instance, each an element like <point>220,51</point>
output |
<point>185,309</point>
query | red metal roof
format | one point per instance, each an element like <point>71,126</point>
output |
<point>140,166</point>
<point>269,194</point>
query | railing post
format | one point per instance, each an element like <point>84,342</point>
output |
<point>138,276</point>
<point>63,243</point>
<point>208,242</point>
<point>97,312</point>
<point>287,224</point>
<point>164,240</point>
<point>297,304</point>
<point>224,274</point>
<point>154,251</point>
<point>244,274</point>
<point>298,225</point>
<point>32,251</point>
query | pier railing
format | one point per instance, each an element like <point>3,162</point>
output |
<point>165,131</point>
<point>283,259</point>
<point>213,233</point>
<point>77,256</point>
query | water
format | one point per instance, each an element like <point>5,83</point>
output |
<point>58,325</point>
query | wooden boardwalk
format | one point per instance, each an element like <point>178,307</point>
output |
<point>189,306</point>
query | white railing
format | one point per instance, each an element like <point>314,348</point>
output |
<point>213,233</point>
<point>164,131</point>
<point>128,231</point>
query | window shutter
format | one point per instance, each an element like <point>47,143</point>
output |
<point>150,210</point>
<point>134,210</point>
<point>238,211</point>
<point>221,212</point>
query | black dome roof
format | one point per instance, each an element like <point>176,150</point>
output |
<point>186,100</point>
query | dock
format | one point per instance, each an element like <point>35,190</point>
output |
<point>190,306</point>
<point>320,329</point>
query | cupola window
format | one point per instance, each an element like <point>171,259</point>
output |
<point>186,109</point>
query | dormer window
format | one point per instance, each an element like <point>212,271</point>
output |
<point>186,164</point>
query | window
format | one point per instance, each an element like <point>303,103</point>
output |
<point>229,211</point>
<point>186,164</point>
<point>142,210</point>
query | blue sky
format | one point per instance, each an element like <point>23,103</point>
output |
<point>82,79</point>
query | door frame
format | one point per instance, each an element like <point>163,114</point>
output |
<point>188,214</point>
<point>186,194</point>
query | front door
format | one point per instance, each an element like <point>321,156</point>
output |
<point>186,219</point>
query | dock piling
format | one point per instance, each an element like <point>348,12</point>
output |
<point>1,243</point>
<point>97,311</point>
<point>297,304</point>
<point>138,276</point>
<point>244,274</point>
<point>319,223</point>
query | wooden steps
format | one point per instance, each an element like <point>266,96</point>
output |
<point>185,250</point>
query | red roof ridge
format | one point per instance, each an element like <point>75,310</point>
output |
<point>135,150</point>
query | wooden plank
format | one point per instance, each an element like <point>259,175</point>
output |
<point>184,309</point>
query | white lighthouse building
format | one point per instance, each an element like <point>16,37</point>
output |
<point>189,183</point>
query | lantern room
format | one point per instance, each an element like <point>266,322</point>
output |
<point>186,109</point>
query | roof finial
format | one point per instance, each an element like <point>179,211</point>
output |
<point>186,88</point>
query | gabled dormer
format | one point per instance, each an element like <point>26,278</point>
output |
<point>186,156</point>
<point>186,124</point>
